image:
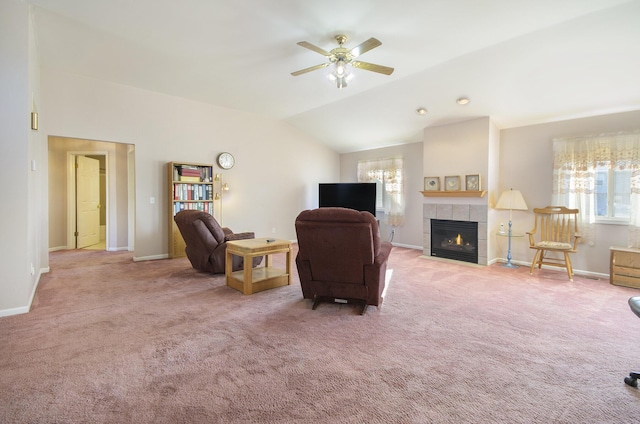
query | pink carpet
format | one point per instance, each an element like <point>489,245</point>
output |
<point>111,340</point>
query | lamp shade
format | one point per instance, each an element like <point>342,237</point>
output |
<point>511,199</point>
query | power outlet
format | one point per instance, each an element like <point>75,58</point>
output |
<point>273,230</point>
<point>33,270</point>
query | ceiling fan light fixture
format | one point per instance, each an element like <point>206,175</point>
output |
<point>340,75</point>
<point>341,58</point>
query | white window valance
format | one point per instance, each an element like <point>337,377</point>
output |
<point>575,161</point>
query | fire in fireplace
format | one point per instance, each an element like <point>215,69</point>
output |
<point>456,240</point>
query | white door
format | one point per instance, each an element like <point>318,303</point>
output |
<point>87,201</point>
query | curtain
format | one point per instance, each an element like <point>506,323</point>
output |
<point>575,160</point>
<point>388,175</point>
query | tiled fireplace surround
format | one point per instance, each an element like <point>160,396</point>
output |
<point>457,212</point>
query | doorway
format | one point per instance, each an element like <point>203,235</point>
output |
<point>91,202</point>
<point>87,188</point>
<point>70,202</point>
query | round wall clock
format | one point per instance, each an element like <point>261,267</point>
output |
<point>226,160</point>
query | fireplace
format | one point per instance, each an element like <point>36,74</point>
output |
<point>456,240</point>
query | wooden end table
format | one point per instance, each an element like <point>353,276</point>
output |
<point>251,280</point>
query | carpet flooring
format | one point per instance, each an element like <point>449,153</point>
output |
<point>110,340</point>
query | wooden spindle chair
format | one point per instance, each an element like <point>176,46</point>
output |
<point>555,230</point>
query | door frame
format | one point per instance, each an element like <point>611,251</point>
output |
<point>71,194</point>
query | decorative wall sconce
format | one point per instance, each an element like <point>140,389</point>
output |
<point>34,114</point>
<point>34,121</point>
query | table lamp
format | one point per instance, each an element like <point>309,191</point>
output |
<point>511,199</point>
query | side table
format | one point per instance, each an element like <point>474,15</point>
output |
<point>251,280</point>
<point>624,267</point>
<point>508,264</point>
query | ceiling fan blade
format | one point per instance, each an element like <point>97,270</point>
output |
<point>372,67</point>
<point>313,68</point>
<point>364,47</point>
<point>316,49</point>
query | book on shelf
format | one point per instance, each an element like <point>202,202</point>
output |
<point>204,173</point>
<point>192,192</point>
<point>190,173</point>
<point>198,206</point>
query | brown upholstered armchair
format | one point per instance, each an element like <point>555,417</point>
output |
<point>206,241</point>
<point>341,257</point>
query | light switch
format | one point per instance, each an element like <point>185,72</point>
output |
<point>152,200</point>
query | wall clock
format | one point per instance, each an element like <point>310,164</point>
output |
<point>226,160</point>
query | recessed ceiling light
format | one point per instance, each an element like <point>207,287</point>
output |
<point>421,111</point>
<point>462,101</point>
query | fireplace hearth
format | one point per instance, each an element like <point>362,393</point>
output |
<point>456,240</point>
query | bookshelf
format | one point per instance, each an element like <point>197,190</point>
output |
<point>190,186</point>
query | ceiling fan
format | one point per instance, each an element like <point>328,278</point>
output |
<point>341,57</point>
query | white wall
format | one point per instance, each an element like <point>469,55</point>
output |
<point>410,234</point>
<point>277,167</point>
<point>23,227</point>
<point>458,149</point>
<point>492,184</point>
<point>527,163</point>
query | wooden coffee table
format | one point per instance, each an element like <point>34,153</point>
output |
<point>252,280</point>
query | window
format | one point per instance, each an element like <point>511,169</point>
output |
<point>388,176</point>
<point>600,176</point>
<point>612,194</point>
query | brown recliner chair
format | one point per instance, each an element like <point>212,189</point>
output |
<point>206,242</point>
<point>341,257</point>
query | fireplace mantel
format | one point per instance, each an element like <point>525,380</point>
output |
<point>467,193</point>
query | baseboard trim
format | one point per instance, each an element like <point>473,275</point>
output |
<point>25,309</point>
<point>118,249</point>
<point>14,311</point>
<point>580,272</point>
<point>150,258</point>
<point>408,246</point>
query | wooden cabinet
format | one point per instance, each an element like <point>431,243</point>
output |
<point>190,186</point>
<point>624,267</point>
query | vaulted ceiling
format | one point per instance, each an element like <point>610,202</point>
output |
<point>519,61</point>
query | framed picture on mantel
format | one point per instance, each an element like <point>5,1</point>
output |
<point>452,183</point>
<point>472,182</point>
<point>431,183</point>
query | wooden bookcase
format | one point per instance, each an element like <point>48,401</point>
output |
<point>193,190</point>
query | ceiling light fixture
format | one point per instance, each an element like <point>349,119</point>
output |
<point>463,101</point>
<point>421,111</point>
<point>340,57</point>
<point>340,75</point>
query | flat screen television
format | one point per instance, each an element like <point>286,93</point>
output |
<point>358,196</point>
